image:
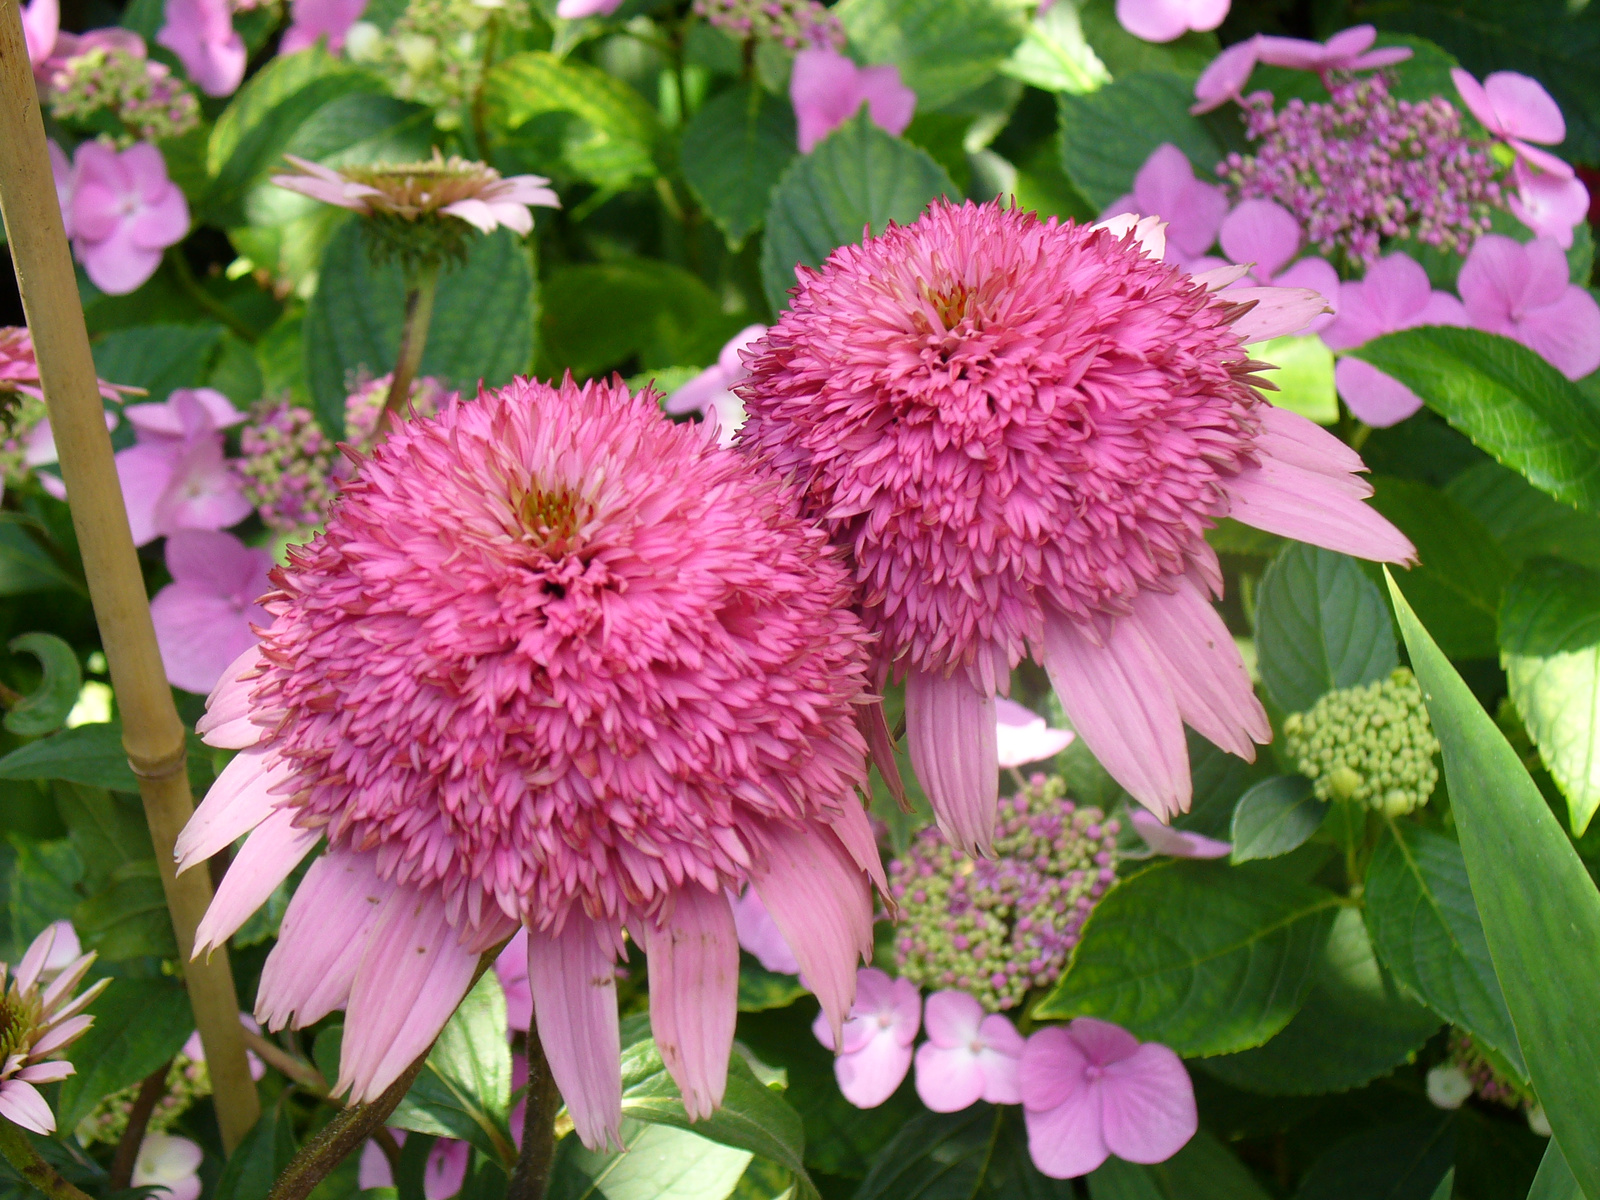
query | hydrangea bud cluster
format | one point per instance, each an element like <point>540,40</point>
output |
<point>1371,744</point>
<point>997,927</point>
<point>187,1081</point>
<point>142,95</point>
<point>793,24</point>
<point>1487,1082</point>
<point>291,468</point>
<point>1364,167</point>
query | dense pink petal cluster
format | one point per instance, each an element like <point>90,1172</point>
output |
<point>39,1019</point>
<point>555,663</point>
<point>1020,431</point>
<point>827,89</point>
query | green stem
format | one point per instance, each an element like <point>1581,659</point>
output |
<point>198,293</point>
<point>531,1179</point>
<point>413,337</point>
<point>19,1152</point>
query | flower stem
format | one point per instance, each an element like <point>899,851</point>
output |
<point>152,734</point>
<point>531,1179</point>
<point>413,337</point>
<point>144,1104</point>
<point>19,1152</point>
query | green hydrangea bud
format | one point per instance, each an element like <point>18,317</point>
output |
<point>1371,744</point>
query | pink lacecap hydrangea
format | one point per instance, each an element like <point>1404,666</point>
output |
<point>1090,1090</point>
<point>969,1055</point>
<point>1546,203</point>
<point>1166,187</point>
<point>1023,736</point>
<point>475,688</point>
<point>827,89</point>
<point>1523,291</point>
<point>1224,79</point>
<point>176,476</point>
<point>710,392</point>
<point>204,617</point>
<point>1019,430</point>
<point>201,34</point>
<point>121,212</point>
<point>1394,294</point>
<point>443,1174</point>
<point>874,1053</point>
<point>1164,20</point>
<point>310,20</point>
<point>1518,110</point>
<point>759,934</point>
<point>1263,236</point>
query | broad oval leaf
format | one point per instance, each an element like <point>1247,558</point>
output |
<point>157,358</point>
<point>857,176</point>
<point>46,707</point>
<point>138,1025</point>
<point>943,48</point>
<point>1425,927</point>
<point>1395,1161</point>
<point>661,1163</point>
<point>1524,521</point>
<point>1506,398</point>
<point>980,1153</point>
<point>258,1160</point>
<point>1533,893</point>
<point>1107,135</point>
<point>1550,643</point>
<point>1321,624</point>
<point>734,152</point>
<point>1204,958</point>
<point>1275,817</point>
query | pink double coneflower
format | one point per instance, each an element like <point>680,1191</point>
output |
<point>1020,431</point>
<point>560,664</point>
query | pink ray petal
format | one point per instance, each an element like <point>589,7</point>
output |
<point>226,722</point>
<point>65,1031</point>
<point>1023,736</point>
<point>1120,703</point>
<point>952,1018</point>
<point>47,1072</point>
<point>854,832</point>
<point>950,731</point>
<point>1177,843</point>
<point>273,849</point>
<point>574,984</point>
<point>875,729</point>
<point>1218,277</point>
<point>1289,437</point>
<point>34,958</point>
<point>1147,1105</point>
<point>1278,311</point>
<point>1310,507</point>
<point>21,1104</point>
<point>694,992</point>
<point>239,800</point>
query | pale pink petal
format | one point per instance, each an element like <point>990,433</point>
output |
<point>1022,736</point>
<point>1292,438</point>
<point>204,491</point>
<point>952,1018</point>
<point>1315,275</point>
<point>118,265</point>
<point>572,10</point>
<point>1386,57</point>
<point>41,21</point>
<point>1278,312</point>
<point>1566,332</point>
<point>1102,1041</point>
<point>1295,53</point>
<point>413,974</point>
<point>34,958</point>
<point>1149,232</point>
<point>950,732</point>
<point>373,1170</point>
<point>1522,108</point>
<point>313,966</point>
<point>694,395</point>
<point>1225,78</point>
<point>241,797</point>
<point>226,722</point>
<point>1177,843</point>
<point>1495,281</point>
<point>869,1076</point>
<point>694,993</point>
<point>1214,275</point>
<point>21,1104</point>
<point>1060,1106</point>
<point>1376,399</point>
<point>511,966</point>
<point>199,633</point>
<point>273,849</point>
<point>313,19</point>
<point>575,1008</point>
<point>66,1028</point>
<point>890,103</point>
<point>1153,20</point>
<point>854,832</point>
<point>825,91</point>
<point>475,213</point>
<point>759,934</point>
<point>1262,233</point>
<point>1549,205</point>
<point>949,1079</point>
<point>1296,503</point>
<point>201,34</point>
<point>1119,701</point>
<point>1000,1067</point>
<point>446,1169</point>
<point>1165,187</point>
<point>822,904</point>
<point>1147,1105</point>
<point>1541,160</point>
<point>47,1072</point>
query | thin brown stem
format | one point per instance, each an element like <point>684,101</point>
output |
<point>531,1179</point>
<point>413,338</point>
<point>19,1152</point>
<point>144,1104</point>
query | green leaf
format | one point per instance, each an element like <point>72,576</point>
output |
<point>27,567</point>
<point>1461,573</point>
<point>663,1163</point>
<point>760,989</point>
<point>1115,1179</point>
<point>128,918</point>
<point>1125,54</point>
<point>1355,1026</point>
<point>857,176</point>
<point>108,832</point>
<point>1555,1181</point>
<point>138,1025</point>
<point>734,152</point>
<point>1524,521</point>
<point>1533,894</point>
<point>1550,639</point>
<point>1321,624</point>
<point>1303,373</point>
<point>90,754</point>
<point>979,1153</point>
<point>1275,817</point>
<point>157,357</point>
<point>1425,927</point>
<point>1403,1161</point>
<point>257,1161</point>
<point>1107,135</point>
<point>1205,1170</point>
<point>43,885</point>
<point>464,1091</point>
<point>1506,398</point>
<point>1204,958</point>
<point>482,326</point>
<point>45,709</point>
<point>1055,56</point>
<point>1447,1186</point>
<point>622,135</point>
<point>944,48</point>
<point>1220,781</point>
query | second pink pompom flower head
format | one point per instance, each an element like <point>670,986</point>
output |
<point>555,663</point>
<point>1019,431</point>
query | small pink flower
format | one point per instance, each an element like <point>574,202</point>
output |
<point>170,1165</point>
<point>201,34</point>
<point>1395,294</point>
<point>968,1056</point>
<point>709,394</point>
<point>43,1019</point>
<point>759,934</point>
<point>313,19</point>
<point>41,23</point>
<point>1166,20</point>
<point>173,417</point>
<point>442,1175</point>
<point>1024,737</point>
<point>875,1051</point>
<point>1548,204</point>
<point>1517,109</point>
<point>1176,843</point>
<point>572,10</point>
<point>1264,236</point>
<point>1523,291</point>
<point>468,191</point>
<point>203,617</point>
<point>173,481</point>
<point>1347,50</point>
<point>512,968</point>
<point>1224,79</point>
<point>827,89</point>
<point>1091,1090</point>
<point>124,212</point>
<point>1166,187</point>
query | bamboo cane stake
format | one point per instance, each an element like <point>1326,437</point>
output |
<point>152,734</point>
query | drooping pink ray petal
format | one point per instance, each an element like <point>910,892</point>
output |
<point>573,977</point>
<point>226,722</point>
<point>1278,312</point>
<point>1311,507</point>
<point>1177,843</point>
<point>694,992</point>
<point>240,799</point>
<point>21,1104</point>
<point>950,731</point>
<point>273,849</point>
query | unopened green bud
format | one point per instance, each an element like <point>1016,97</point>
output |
<point>1371,744</point>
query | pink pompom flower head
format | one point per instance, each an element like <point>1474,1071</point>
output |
<point>969,1055</point>
<point>827,89</point>
<point>556,663</point>
<point>874,1052</point>
<point>39,1019</point>
<point>1091,1089</point>
<point>1020,430</point>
